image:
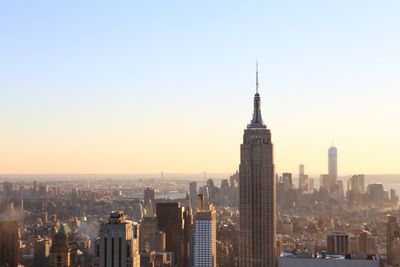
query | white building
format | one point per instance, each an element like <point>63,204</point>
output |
<point>205,238</point>
<point>119,242</point>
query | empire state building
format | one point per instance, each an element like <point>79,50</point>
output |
<point>257,193</point>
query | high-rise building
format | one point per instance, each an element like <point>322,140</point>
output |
<point>338,243</point>
<point>303,179</point>
<point>257,204</point>
<point>367,244</point>
<point>205,238</point>
<point>280,194</point>
<point>41,257</point>
<point>9,243</point>
<point>119,242</point>
<point>151,239</point>
<point>170,221</point>
<point>376,192</point>
<point>187,237</point>
<point>193,195</point>
<point>324,182</point>
<point>393,197</point>
<point>392,233</point>
<point>332,166</point>
<point>148,196</point>
<point>60,252</point>
<point>287,181</point>
<point>310,185</point>
<point>356,184</point>
<point>35,187</point>
<point>301,170</point>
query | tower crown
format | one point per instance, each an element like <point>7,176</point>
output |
<point>256,121</point>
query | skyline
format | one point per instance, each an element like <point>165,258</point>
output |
<point>131,94</point>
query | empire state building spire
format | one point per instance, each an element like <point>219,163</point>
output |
<point>257,121</point>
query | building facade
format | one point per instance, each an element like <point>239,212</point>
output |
<point>338,243</point>
<point>193,195</point>
<point>332,166</point>
<point>9,243</point>
<point>42,252</point>
<point>257,204</point>
<point>171,222</point>
<point>205,239</point>
<point>119,242</point>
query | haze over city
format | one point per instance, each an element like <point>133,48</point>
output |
<point>96,87</point>
<point>199,134</point>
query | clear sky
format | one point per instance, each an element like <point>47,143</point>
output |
<point>150,86</point>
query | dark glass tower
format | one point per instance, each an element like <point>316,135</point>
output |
<point>257,193</point>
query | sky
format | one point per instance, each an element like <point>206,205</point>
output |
<point>151,86</point>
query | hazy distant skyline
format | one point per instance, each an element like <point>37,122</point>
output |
<point>100,87</point>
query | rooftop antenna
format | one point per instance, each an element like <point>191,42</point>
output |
<point>257,84</point>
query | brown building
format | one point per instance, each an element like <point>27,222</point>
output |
<point>257,204</point>
<point>392,233</point>
<point>9,243</point>
<point>60,252</point>
<point>150,238</point>
<point>170,221</point>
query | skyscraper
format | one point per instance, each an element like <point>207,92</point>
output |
<point>148,197</point>
<point>257,193</point>
<point>392,232</point>
<point>193,195</point>
<point>303,179</point>
<point>60,252</point>
<point>171,222</point>
<point>205,238</point>
<point>287,181</point>
<point>9,243</point>
<point>150,238</point>
<point>119,242</point>
<point>332,167</point>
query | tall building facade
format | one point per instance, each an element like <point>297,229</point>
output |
<point>392,233</point>
<point>324,182</point>
<point>287,181</point>
<point>303,180</point>
<point>60,251</point>
<point>193,195</point>
<point>149,200</point>
<point>9,243</point>
<point>119,242</point>
<point>171,222</point>
<point>332,166</point>
<point>205,238</point>
<point>150,238</point>
<point>257,204</point>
